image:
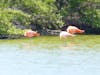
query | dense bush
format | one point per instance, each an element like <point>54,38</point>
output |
<point>82,11</point>
<point>9,18</point>
<point>16,15</point>
<point>44,12</point>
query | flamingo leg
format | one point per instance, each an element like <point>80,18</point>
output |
<point>30,41</point>
<point>72,39</point>
<point>65,42</point>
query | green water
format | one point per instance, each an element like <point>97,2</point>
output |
<point>48,55</point>
<point>51,42</point>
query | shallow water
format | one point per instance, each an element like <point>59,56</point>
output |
<point>20,58</point>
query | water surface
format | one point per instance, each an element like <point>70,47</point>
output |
<point>48,56</point>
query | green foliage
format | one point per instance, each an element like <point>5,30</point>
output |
<point>8,18</point>
<point>42,13</point>
<point>86,9</point>
<point>45,14</point>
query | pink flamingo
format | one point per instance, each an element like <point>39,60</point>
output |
<point>73,30</point>
<point>64,35</point>
<point>30,33</point>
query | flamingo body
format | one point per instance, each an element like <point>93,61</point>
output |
<point>64,34</point>
<point>73,30</point>
<point>30,33</point>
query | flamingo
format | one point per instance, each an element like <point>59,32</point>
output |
<point>73,30</point>
<point>30,33</point>
<point>64,35</point>
<point>70,32</point>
